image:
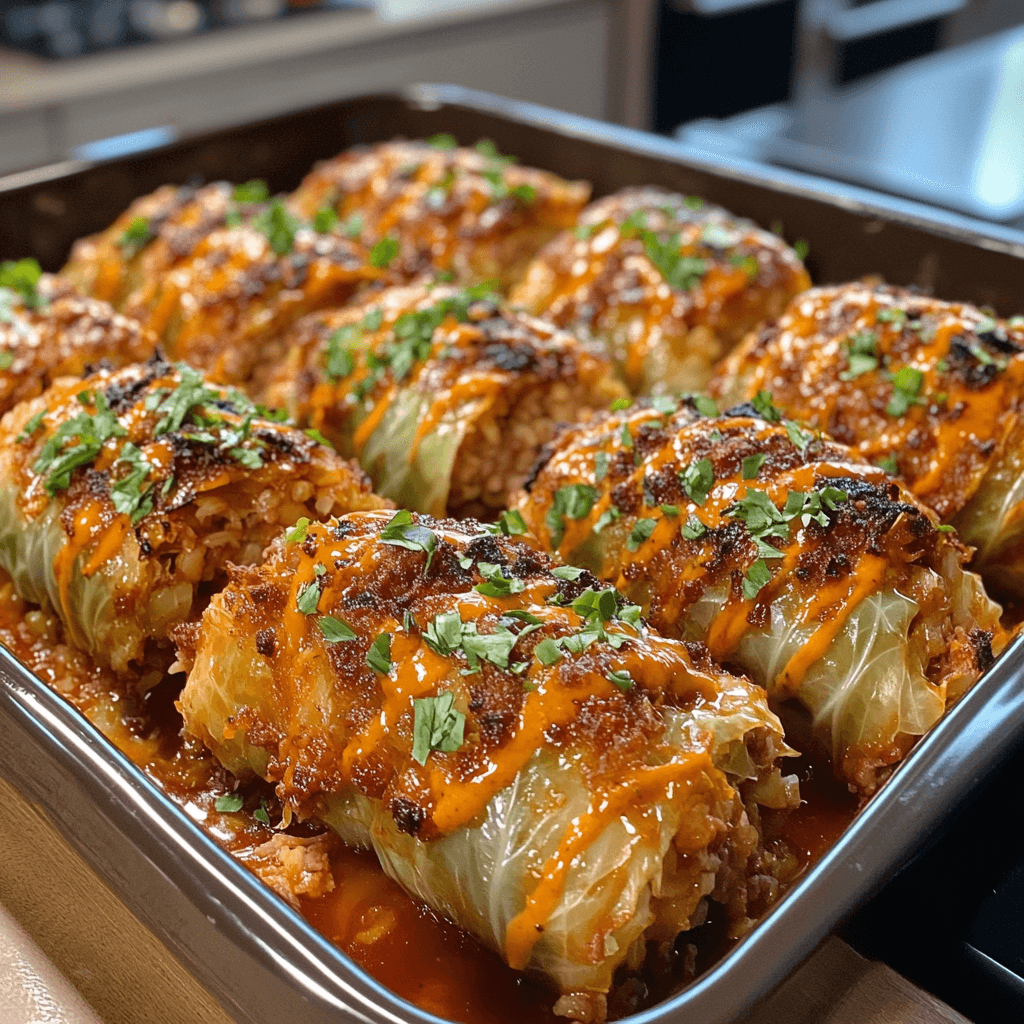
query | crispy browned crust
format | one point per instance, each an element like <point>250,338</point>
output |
<point>970,397</point>
<point>178,218</point>
<point>63,336</point>
<point>446,207</point>
<point>600,279</point>
<point>482,367</point>
<point>375,587</point>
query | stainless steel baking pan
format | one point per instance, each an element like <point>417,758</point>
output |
<point>257,957</point>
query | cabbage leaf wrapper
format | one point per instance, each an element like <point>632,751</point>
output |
<point>666,282</point>
<point>932,391</point>
<point>474,213</point>
<point>48,330</point>
<point>124,495</point>
<point>522,752</point>
<point>444,395</point>
<point>792,557</point>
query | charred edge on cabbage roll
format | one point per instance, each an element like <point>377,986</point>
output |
<point>47,330</point>
<point>125,495</point>
<point>667,283</point>
<point>932,391</point>
<point>792,557</point>
<point>444,395</point>
<point>520,750</point>
<point>472,212</point>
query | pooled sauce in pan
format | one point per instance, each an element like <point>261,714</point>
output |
<point>403,944</point>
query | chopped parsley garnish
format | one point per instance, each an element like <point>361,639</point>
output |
<point>510,524</point>
<point>254,191</point>
<point>444,633</point>
<point>437,725</point>
<point>584,231</point>
<point>59,458</point>
<point>906,384</point>
<point>353,227</point>
<point>752,465</point>
<point>892,315</point>
<point>336,630</point>
<point>986,325</point>
<point>492,647</point>
<point>402,532</point>
<point>325,220</point>
<point>135,238</point>
<point>621,679</point>
<point>755,578</point>
<point>681,272</point>
<point>127,493</point>
<point>889,464</point>
<point>340,361</point>
<point>228,803</point>
<point>705,405</point>
<point>22,277</point>
<point>861,354</point>
<point>6,359</point>
<point>670,510</point>
<point>802,249</point>
<point>175,406</point>
<point>378,657</point>
<point>697,480</point>
<point>799,437</point>
<point>765,407</point>
<point>609,515</point>
<point>664,404</point>
<point>600,466</point>
<point>765,521</point>
<point>547,652</point>
<point>693,202</point>
<point>642,530</point>
<point>443,140</point>
<point>626,436</point>
<point>279,226</point>
<point>308,598</point>
<point>383,252</point>
<point>261,814</point>
<point>574,501</point>
<point>496,584</point>
<point>748,264</point>
<point>567,572</point>
<point>693,528</point>
<point>620,403</point>
<point>31,426</point>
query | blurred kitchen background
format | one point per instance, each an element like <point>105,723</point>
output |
<point>920,98</point>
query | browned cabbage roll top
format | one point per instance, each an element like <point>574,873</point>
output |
<point>792,557</point>
<point>444,395</point>
<point>48,330</point>
<point>219,274</point>
<point>668,283</point>
<point>518,748</point>
<point>123,496</point>
<point>931,390</point>
<point>472,212</point>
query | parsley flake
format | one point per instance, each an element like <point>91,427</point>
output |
<point>336,630</point>
<point>642,530</point>
<point>693,528</point>
<point>308,598</point>
<point>135,238</point>
<point>752,465</point>
<point>861,354</point>
<point>402,532</point>
<point>680,272</point>
<point>254,191</point>
<point>574,501</point>
<point>697,480</point>
<point>906,383</point>
<point>443,140</point>
<point>31,426</point>
<point>228,803</point>
<point>547,652</point>
<point>325,220</point>
<point>496,583</point>
<point>279,226</point>
<point>755,578</point>
<point>6,359</point>
<point>378,657</point>
<point>621,679</point>
<point>566,572</point>
<point>437,725</point>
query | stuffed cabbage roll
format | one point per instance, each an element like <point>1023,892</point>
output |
<point>472,212</point>
<point>519,749</point>
<point>666,282</point>
<point>125,262</point>
<point>123,497</point>
<point>47,330</point>
<point>793,558</point>
<point>933,391</point>
<point>443,395</point>
<point>219,274</point>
